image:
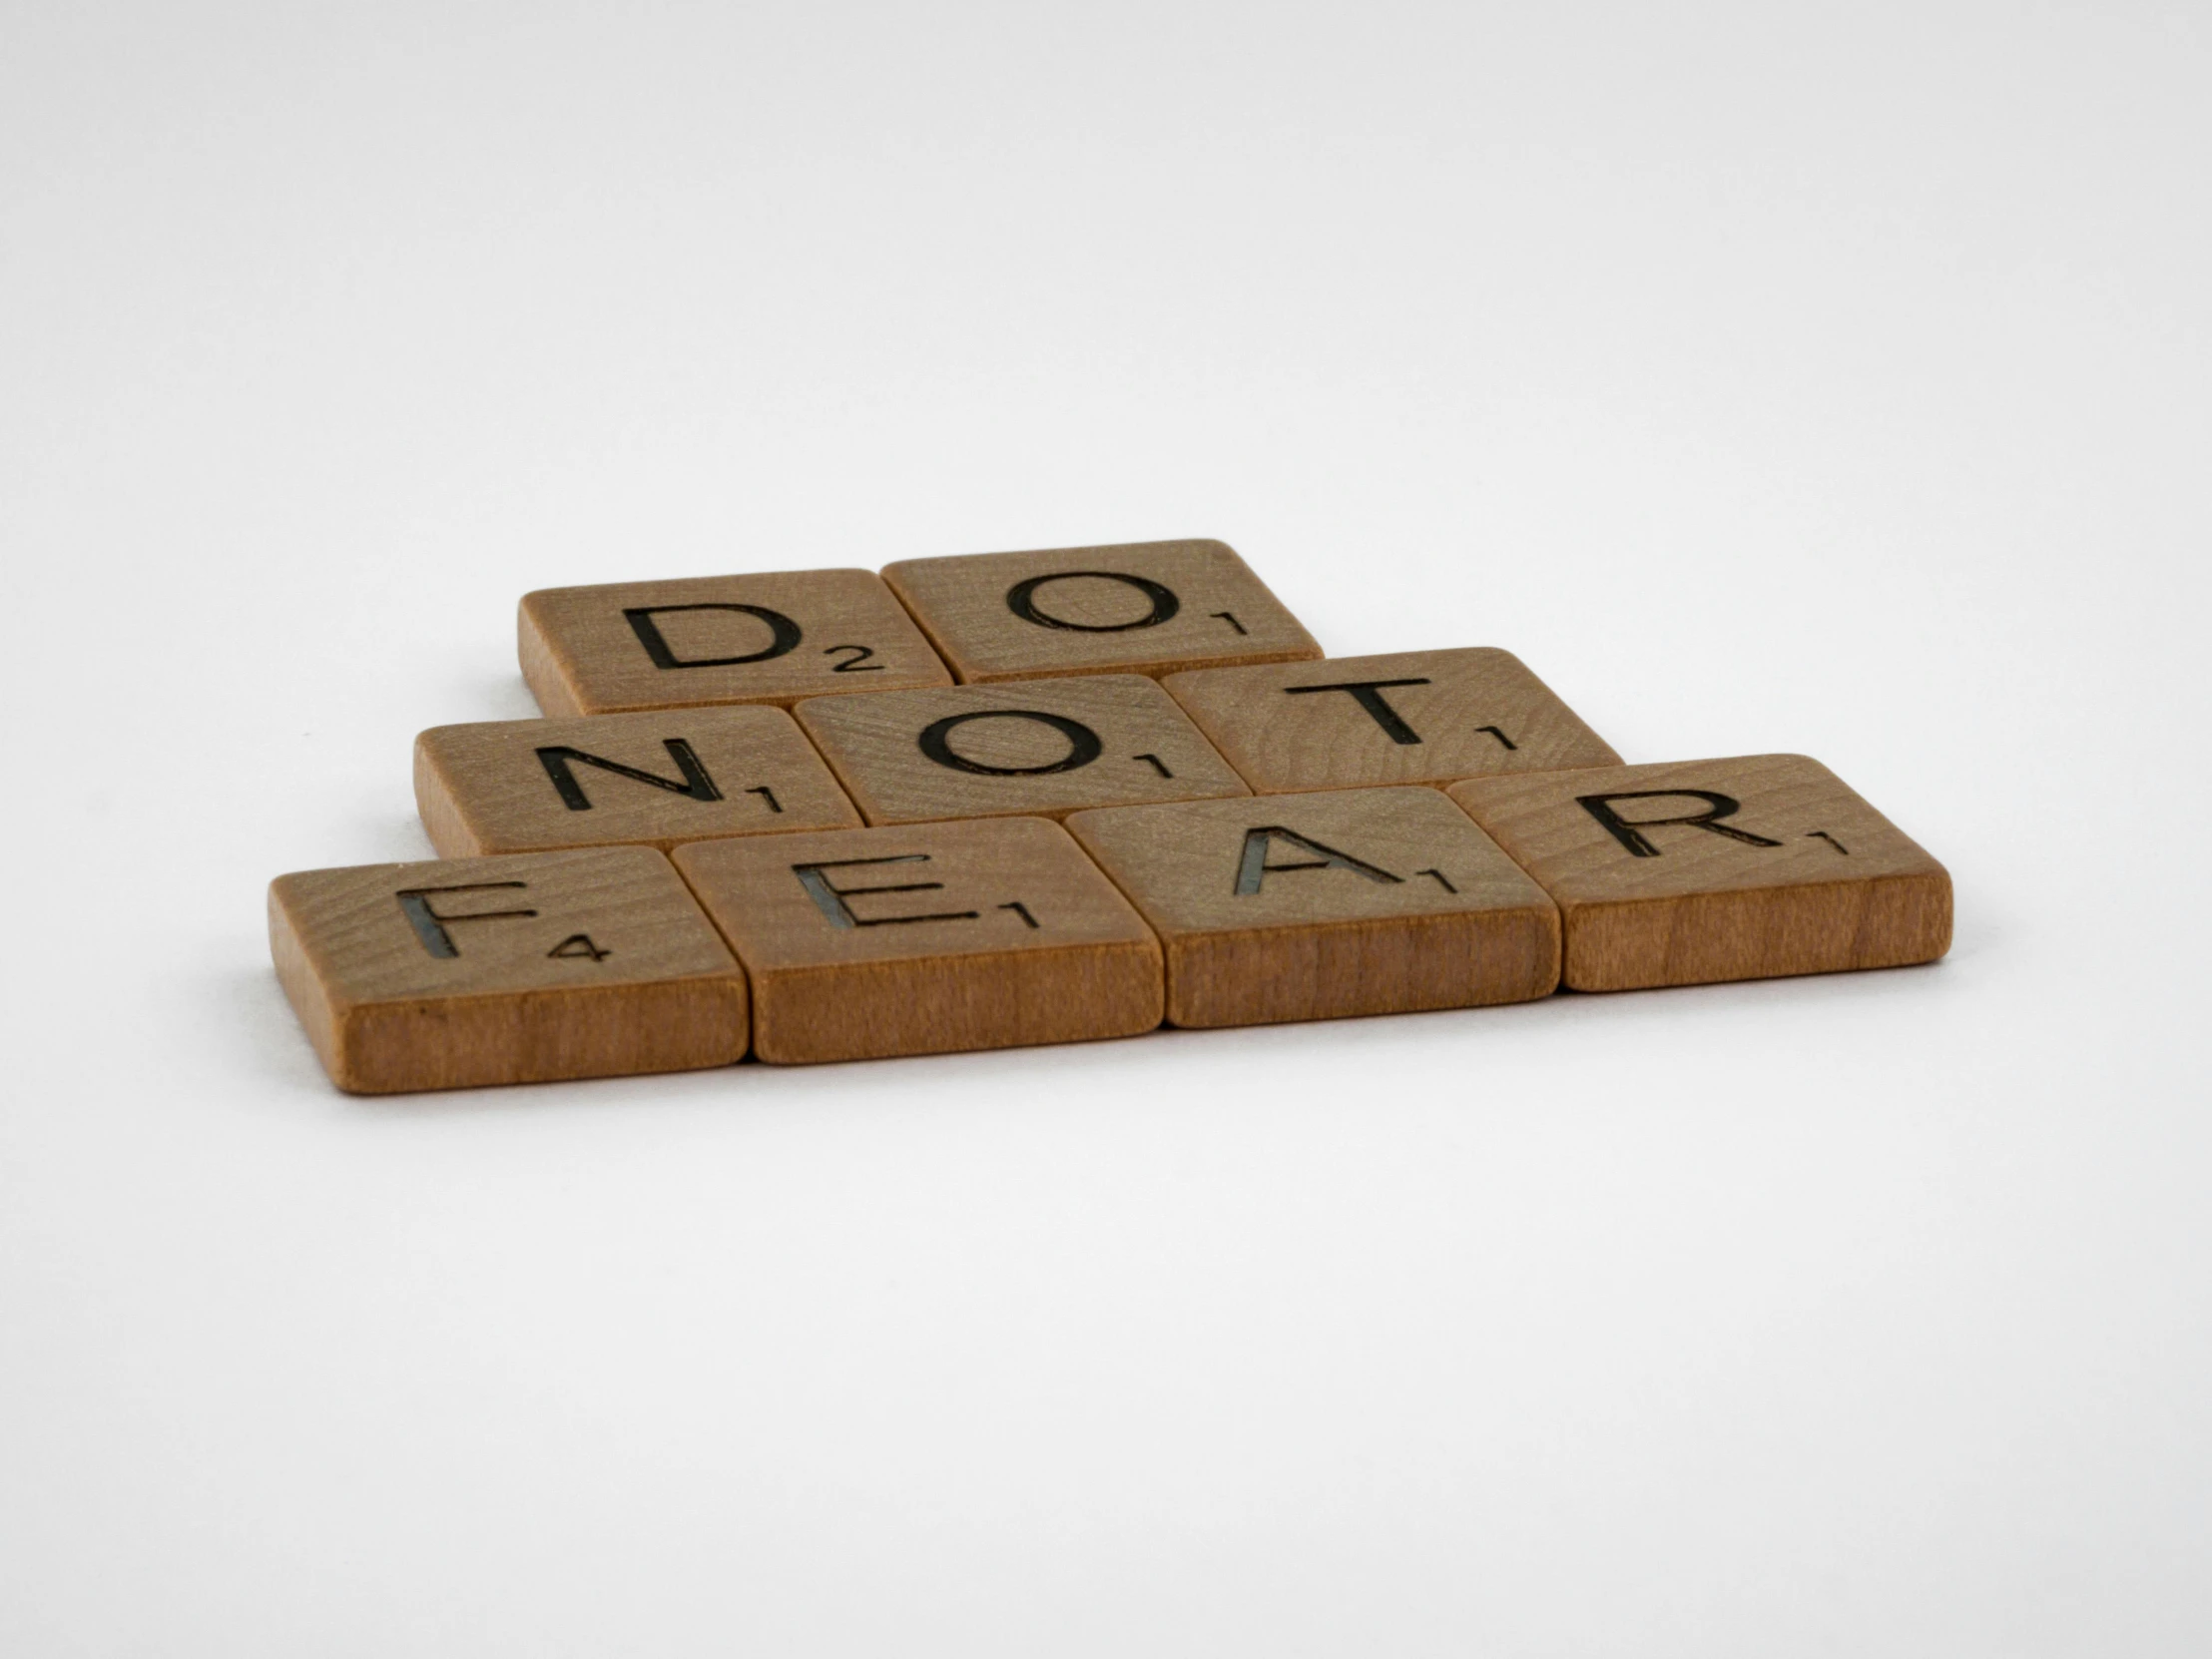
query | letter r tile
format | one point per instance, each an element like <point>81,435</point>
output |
<point>1312,906</point>
<point>1413,717</point>
<point>927,938</point>
<point>1135,608</point>
<point>541,965</point>
<point>1692,872</point>
<point>772,638</point>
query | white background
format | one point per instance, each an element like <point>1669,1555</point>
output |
<point>1818,378</point>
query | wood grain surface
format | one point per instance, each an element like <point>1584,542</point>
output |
<point>512,970</point>
<point>922,939</point>
<point>1036,747</point>
<point>654,779</point>
<point>1412,717</point>
<point>1311,907</point>
<point>1137,607</point>
<point>773,638</point>
<point>1792,872</point>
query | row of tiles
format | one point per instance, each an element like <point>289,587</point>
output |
<point>1044,747</point>
<point>855,943</point>
<point>1148,608</point>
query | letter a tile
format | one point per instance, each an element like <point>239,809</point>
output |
<point>1309,906</point>
<point>1137,608</point>
<point>658,778</point>
<point>1698,871</point>
<point>518,969</point>
<point>1415,717</point>
<point>772,638</point>
<point>927,938</point>
<point>1040,747</point>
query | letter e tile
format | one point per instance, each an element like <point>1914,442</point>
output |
<point>926,938</point>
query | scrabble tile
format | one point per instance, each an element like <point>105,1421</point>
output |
<point>922,939</point>
<point>1698,871</point>
<point>1139,608</point>
<point>1311,907</point>
<point>1413,717</point>
<point>1041,748</point>
<point>624,646</point>
<point>517,969</point>
<point>656,779</point>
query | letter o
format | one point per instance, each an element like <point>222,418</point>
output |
<point>1083,744</point>
<point>1021,599</point>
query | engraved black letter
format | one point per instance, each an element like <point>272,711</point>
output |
<point>1253,869</point>
<point>696,784</point>
<point>783,630</point>
<point>1369,694</point>
<point>830,900</point>
<point>1630,833</point>
<point>1021,599</point>
<point>415,905</point>
<point>1083,744</point>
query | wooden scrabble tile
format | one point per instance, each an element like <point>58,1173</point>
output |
<point>923,940</point>
<point>1139,608</point>
<point>1413,717</point>
<point>670,776</point>
<point>1309,906</point>
<point>776,638</point>
<point>1040,748</point>
<point>1691,872</point>
<point>518,969</point>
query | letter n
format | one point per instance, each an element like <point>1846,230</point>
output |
<point>558,760</point>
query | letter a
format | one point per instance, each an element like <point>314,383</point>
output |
<point>1252,869</point>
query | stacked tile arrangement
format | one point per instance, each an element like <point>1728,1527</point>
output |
<point>1038,797</point>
